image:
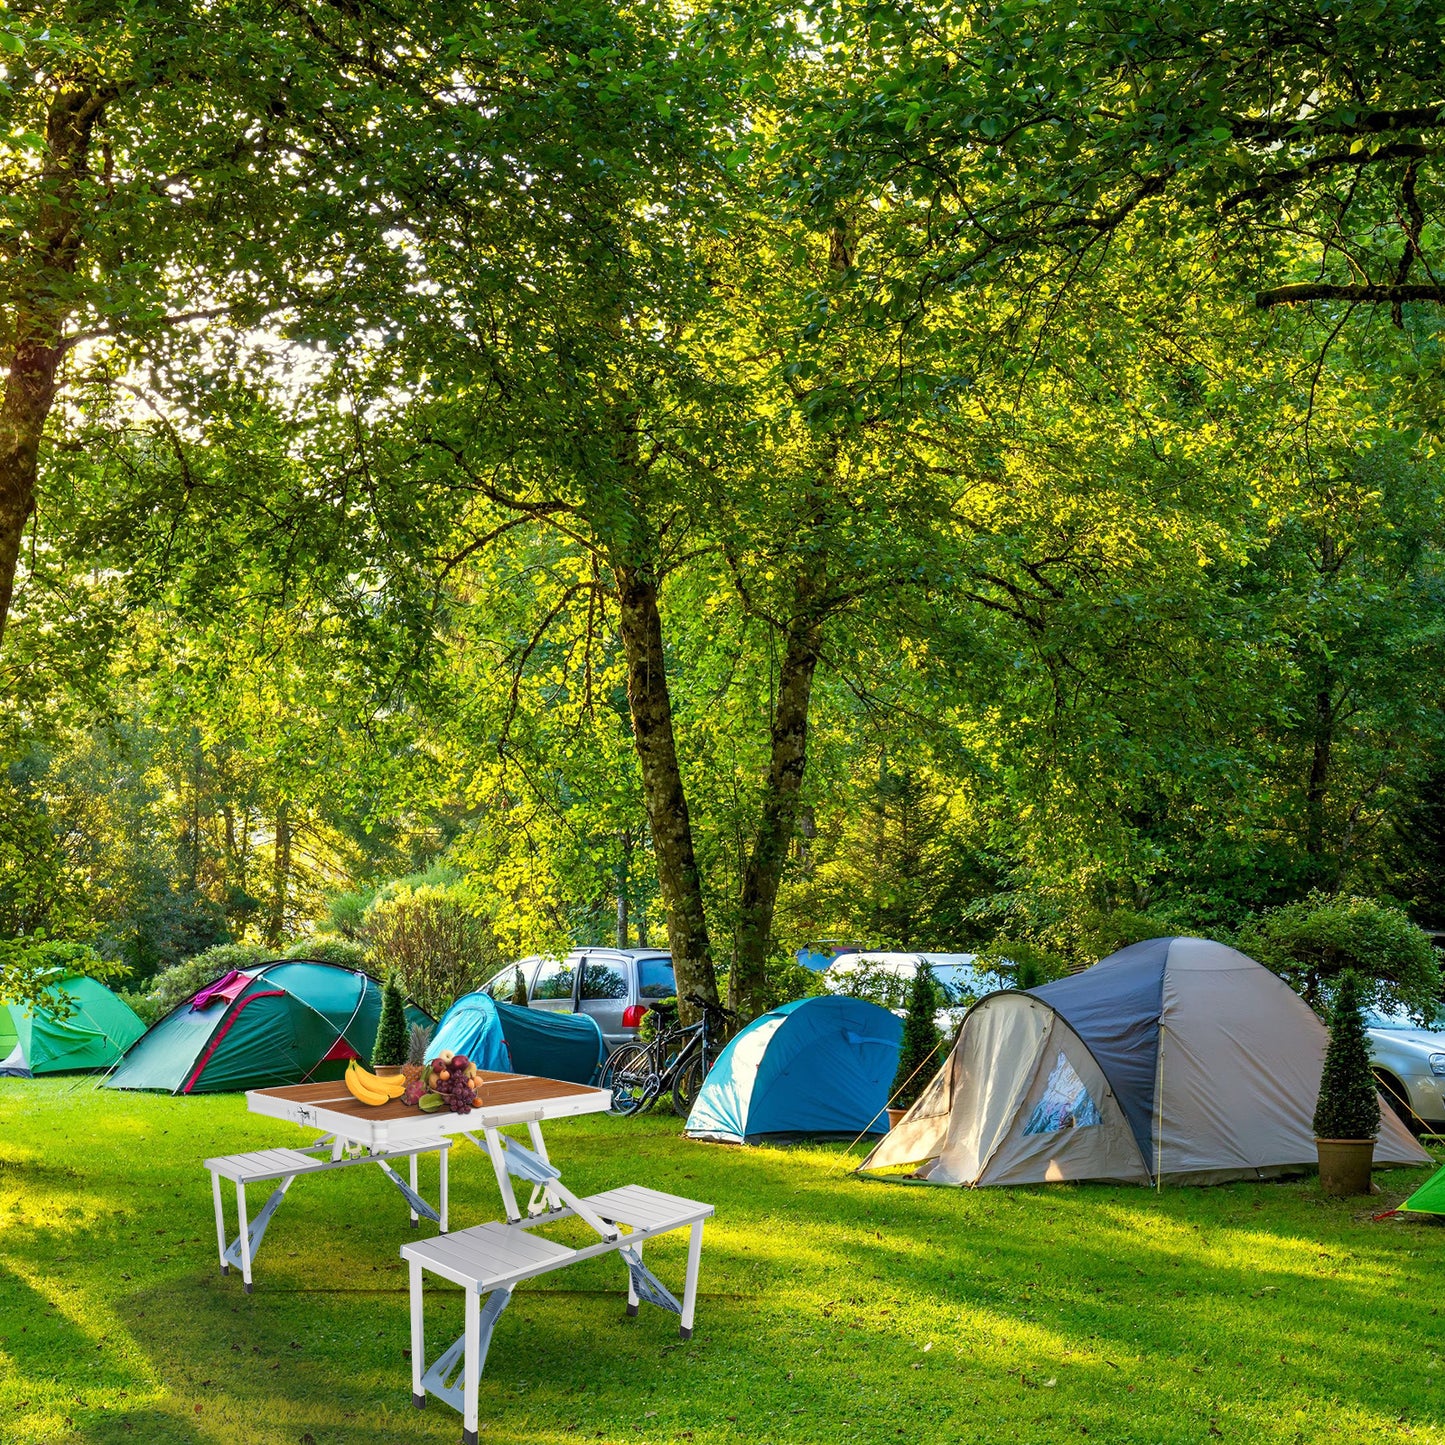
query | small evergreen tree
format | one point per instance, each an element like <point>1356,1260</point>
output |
<point>391,1030</point>
<point>920,1040</point>
<point>1349,1107</point>
<point>519,989</point>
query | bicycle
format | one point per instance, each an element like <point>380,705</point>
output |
<point>677,1059</point>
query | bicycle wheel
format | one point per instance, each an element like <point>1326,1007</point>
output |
<point>688,1082</point>
<point>628,1073</point>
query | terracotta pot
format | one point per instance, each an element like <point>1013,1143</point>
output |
<point>895,1117</point>
<point>1345,1166</point>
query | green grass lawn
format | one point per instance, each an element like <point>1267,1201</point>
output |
<point>831,1308</point>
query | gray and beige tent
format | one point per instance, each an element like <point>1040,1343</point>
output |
<point>1176,1059</point>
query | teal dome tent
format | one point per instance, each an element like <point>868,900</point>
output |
<point>91,1033</point>
<point>496,1035</point>
<point>291,1022</point>
<point>816,1066</point>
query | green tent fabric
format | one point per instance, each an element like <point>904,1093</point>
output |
<point>290,1022</point>
<point>97,1029</point>
<point>1429,1198</point>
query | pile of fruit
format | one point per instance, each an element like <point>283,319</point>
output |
<point>449,1081</point>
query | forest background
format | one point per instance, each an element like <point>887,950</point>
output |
<point>950,476</point>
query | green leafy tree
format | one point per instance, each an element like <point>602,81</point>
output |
<point>1349,1105</point>
<point>918,1058</point>
<point>1314,943</point>
<point>391,1032</point>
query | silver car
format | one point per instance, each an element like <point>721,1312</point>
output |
<point>1410,1064</point>
<point>615,985</point>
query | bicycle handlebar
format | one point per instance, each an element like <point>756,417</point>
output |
<point>709,1005</point>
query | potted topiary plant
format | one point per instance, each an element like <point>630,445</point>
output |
<point>920,1043</point>
<point>1347,1117</point>
<point>389,1052</point>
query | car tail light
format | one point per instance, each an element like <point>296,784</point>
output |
<point>632,1015</point>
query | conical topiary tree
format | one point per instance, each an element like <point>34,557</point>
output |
<point>920,1040</point>
<point>390,1045</point>
<point>1349,1106</point>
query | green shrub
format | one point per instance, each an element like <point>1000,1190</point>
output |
<point>661,1015</point>
<point>346,912</point>
<point>329,948</point>
<point>1313,943</point>
<point>1349,1105</point>
<point>918,1061</point>
<point>391,1035</point>
<point>175,985</point>
<point>437,940</point>
<point>1021,963</point>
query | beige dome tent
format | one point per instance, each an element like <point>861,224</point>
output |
<point>1176,1059</point>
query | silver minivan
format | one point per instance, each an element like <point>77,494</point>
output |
<point>615,985</point>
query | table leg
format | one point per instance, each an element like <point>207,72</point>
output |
<point>445,1153</point>
<point>418,1338</point>
<point>689,1293</point>
<point>245,1237</point>
<point>220,1220</point>
<point>415,1217</point>
<point>504,1179</point>
<point>472,1366</point>
<point>632,1301</point>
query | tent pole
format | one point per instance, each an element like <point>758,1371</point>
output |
<point>1159,1116</point>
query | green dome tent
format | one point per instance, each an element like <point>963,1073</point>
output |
<point>96,1030</point>
<point>295,1021</point>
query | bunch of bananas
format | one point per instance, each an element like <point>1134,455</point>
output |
<point>371,1089</point>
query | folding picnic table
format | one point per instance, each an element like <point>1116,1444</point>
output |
<point>489,1260</point>
<point>383,1134</point>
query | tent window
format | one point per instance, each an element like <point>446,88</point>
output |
<point>1066,1104</point>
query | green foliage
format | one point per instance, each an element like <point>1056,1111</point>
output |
<point>344,952</point>
<point>919,1059</point>
<point>1023,963</point>
<point>435,939</point>
<point>1349,1104</point>
<point>519,989</point>
<point>391,1030</point>
<point>175,985</point>
<point>346,912</point>
<point>1314,943</point>
<point>28,966</point>
<point>661,1015</point>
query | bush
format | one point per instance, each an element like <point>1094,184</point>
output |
<point>175,985</point>
<point>921,1040</point>
<point>328,948</point>
<point>1349,1106</point>
<point>436,940</point>
<point>1312,944</point>
<point>391,1032</point>
<point>346,913</point>
<point>661,1015</point>
<point>1022,963</point>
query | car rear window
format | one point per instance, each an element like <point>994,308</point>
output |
<point>654,978</point>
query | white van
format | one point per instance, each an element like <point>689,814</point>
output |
<point>886,978</point>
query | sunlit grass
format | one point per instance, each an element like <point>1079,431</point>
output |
<point>832,1308</point>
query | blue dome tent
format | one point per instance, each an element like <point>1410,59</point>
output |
<point>495,1035</point>
<point>815,1066</point>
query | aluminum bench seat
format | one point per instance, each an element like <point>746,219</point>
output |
<point>492,1259</point>
<point>263,1165</point>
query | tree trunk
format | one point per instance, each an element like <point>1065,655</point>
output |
<point>640,627</point>
<point>40,309</point>
<point>763,872</point>
<point>280,876</point>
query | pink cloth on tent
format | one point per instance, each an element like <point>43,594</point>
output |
<point>226,987</point>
